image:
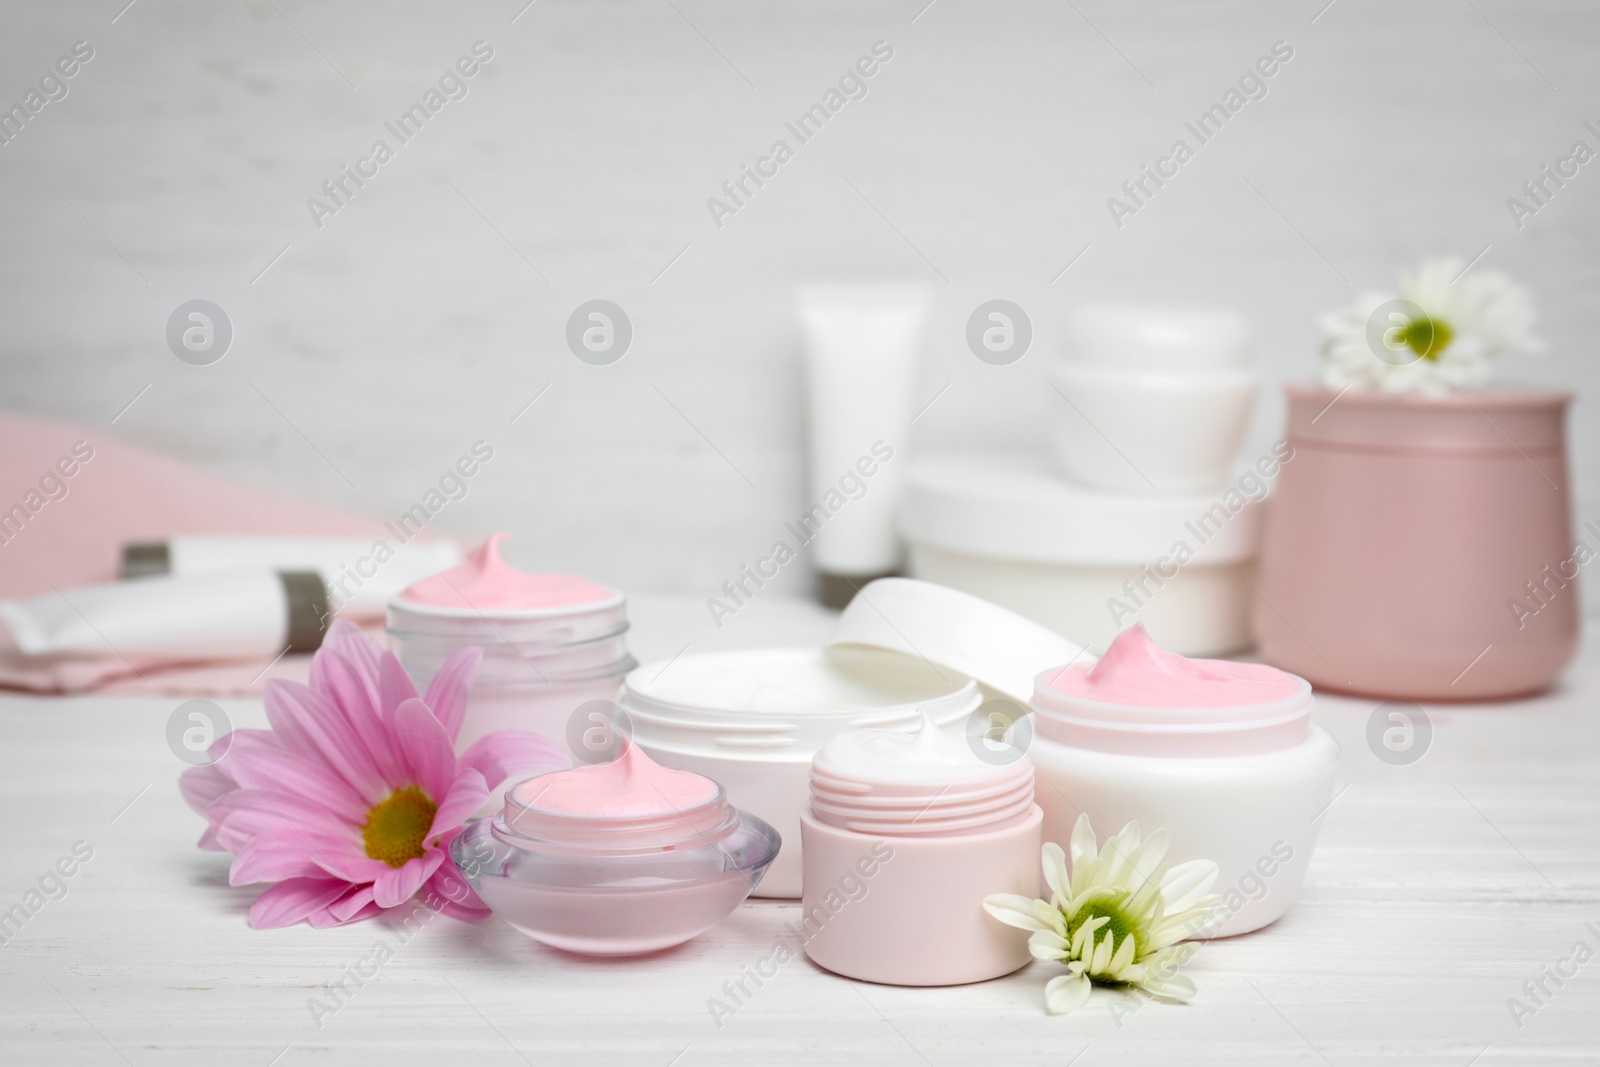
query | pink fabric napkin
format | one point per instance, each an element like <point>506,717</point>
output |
<point>60,530</point>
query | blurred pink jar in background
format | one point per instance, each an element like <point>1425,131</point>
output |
<point>1422,548</point>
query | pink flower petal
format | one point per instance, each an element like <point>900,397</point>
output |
<point>396,885</point>
<point>294,899</point>
<point>256,765</point>
<point>338,673</point>
<point>429,754</point>
<point>312,727</point>
<point>271,859</point>
<point>327,918</point>
<point>467,794</point>
<point>246,813</point>
<point>464,912</point>
<point>340,856</point>
<point>505,753</point>
<point>447,693</point>
<point>394,684</point>
<point>449,892</point>
<point>349,907</point>
<point>201,786</point>
<point>350,863</point>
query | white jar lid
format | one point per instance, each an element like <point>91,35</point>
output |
<point>766,703</point>
<point>1013,506</point>
<point>956,631</point>
<point>1158,339</point>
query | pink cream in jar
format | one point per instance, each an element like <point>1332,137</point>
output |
<point>1224,755</point>
<point>551,642</point>
<point>615,859</point>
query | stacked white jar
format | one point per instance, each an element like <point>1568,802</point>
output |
<point>1152,401</point>
<point>1151,522</point>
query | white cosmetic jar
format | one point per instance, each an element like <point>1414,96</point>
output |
<point>1085,563</point>
<point>753,720</point>
<point>1242,786</point>
<point>539,665</point>
<point>1152,400</point>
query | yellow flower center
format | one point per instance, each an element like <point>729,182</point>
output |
<point>396,828</point>
<point>1428,338</point>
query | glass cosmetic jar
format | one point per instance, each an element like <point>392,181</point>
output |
<point>550,642</point>
<point>614,883</point>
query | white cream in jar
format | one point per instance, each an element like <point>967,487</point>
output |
<point>753,719</point>
<point>903,838</point>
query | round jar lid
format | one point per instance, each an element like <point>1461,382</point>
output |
<point>1014,506</point>
<point>787,699</point>
<point>930,623</point>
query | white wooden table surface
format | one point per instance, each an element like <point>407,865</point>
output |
<point>1438,889</point>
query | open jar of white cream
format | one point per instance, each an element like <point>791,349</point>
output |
<point>1223,755</point>
<point>904,837</point>
<point>551,642</point>
<point>753,719</point>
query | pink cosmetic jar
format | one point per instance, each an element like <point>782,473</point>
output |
<point>1223,755</point>
<point>1421,548</point>
<point>550,642</point>
<point>904,837</point>
<point>581,861</point>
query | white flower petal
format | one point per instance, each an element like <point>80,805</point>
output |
<point>1083,937</point>
<point>1083,847</point>
<point>1102,953</point>
<point>1055,871</point>
<point>1122,957</point>
<point>1150,856</point>
<point>1014,910</point>
<point>1170,987</point>
<point>1066,993</point>
<point>1048,945</point>
<point>1187,884</point>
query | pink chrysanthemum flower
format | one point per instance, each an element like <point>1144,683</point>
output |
<point>349,802</point>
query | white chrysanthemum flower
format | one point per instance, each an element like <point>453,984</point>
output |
<point>1117,918</point>
<point>1440,329</point>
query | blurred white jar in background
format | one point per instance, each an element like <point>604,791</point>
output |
<point>1152,400</point>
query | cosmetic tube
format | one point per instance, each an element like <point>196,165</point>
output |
<point>180,618</point>
<point>360,576</point>
<point>861,348</point>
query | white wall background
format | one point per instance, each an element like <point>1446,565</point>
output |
<point>408,327</point>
